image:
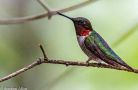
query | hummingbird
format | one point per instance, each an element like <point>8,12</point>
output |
<point>93,45</point>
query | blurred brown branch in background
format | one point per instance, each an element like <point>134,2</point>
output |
<point>42,15</point>
<point>63,62</point>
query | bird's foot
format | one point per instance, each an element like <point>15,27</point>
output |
<point>88,61</point>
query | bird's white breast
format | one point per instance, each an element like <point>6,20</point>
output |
<point>81,40</point>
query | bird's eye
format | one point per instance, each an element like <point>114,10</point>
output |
<point>81,22</point>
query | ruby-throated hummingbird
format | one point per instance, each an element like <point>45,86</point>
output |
<point>93,45</point>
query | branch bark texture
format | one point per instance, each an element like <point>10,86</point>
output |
<point>63,62</point>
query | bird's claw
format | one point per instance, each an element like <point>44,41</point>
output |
<point>88,62</point>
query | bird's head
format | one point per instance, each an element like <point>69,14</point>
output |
<point>82,25</point>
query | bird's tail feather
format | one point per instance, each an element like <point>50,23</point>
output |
<point>115,63</point>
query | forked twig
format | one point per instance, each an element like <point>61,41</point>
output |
<point>63,62</point>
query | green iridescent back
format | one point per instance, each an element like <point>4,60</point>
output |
<point>103,48</point>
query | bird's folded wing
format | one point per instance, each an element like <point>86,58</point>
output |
<point>101,49</point>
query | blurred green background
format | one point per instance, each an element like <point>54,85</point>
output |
<point>115,20</point>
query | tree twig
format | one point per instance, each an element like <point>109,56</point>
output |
<point>34,64</point>
<point>46,8</point>
<point>43,51</point>
<point>42,15</point>
<point>63,62</point>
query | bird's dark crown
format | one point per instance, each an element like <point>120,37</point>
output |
<point>82,22</point>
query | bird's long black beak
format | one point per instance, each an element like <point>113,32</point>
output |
<point>65,16</point>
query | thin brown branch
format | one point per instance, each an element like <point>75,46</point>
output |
<point>63,62</point>
<point>43,51</point>
<point>77,6</point>
<point>99,65</point>
<point>42,15</point>
<point>46,8</point>
<point>34,64</point>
